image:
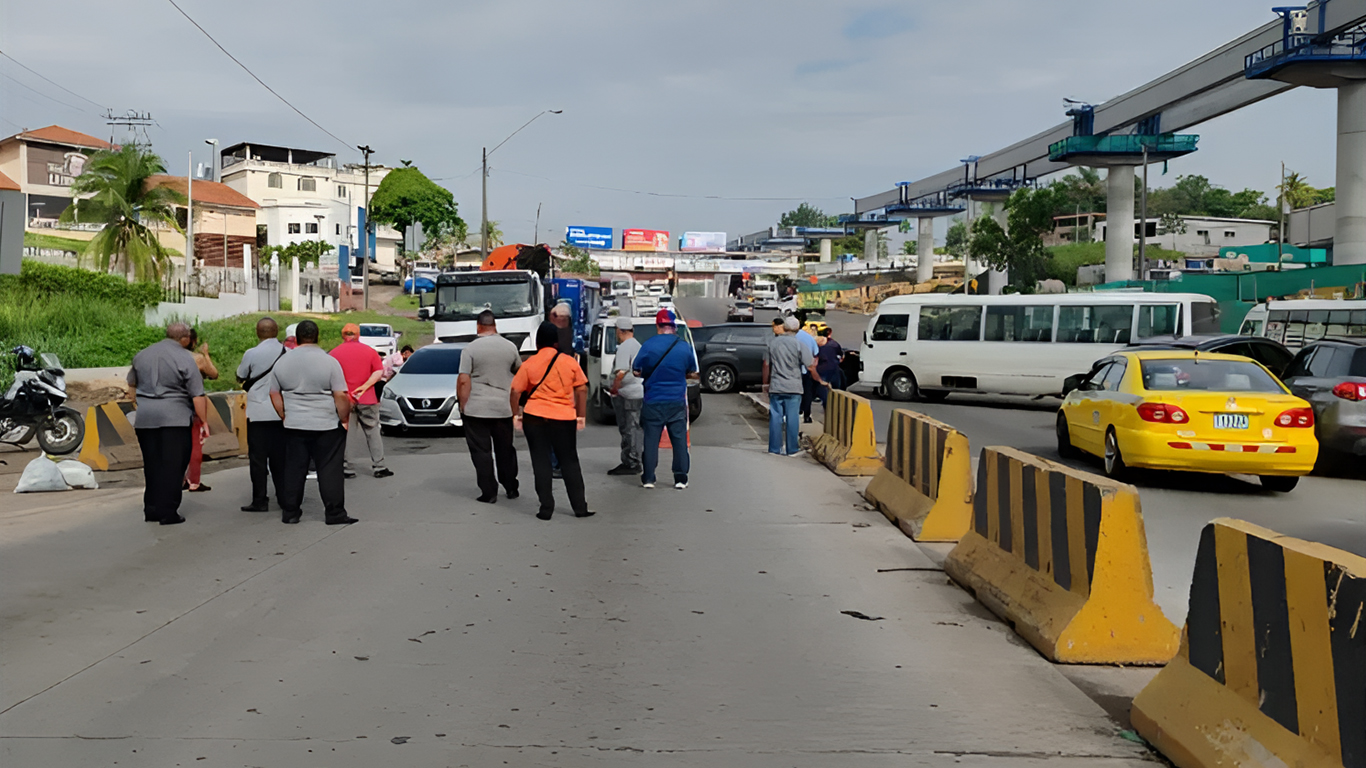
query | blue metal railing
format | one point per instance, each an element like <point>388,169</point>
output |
<point>1347,46</point>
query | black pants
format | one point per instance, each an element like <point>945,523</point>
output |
<point>809,392</point>
<point>327,450</point>
<point>560,436</point>
<point>266,456</point>
<point>165,457</point>
<point>490,441</point>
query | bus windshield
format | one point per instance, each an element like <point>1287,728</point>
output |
<point>464,301</point>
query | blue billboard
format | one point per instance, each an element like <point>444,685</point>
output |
<point>589,237</point>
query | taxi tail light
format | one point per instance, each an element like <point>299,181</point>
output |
<point>1296,418</point>
<point>1162,413</point>
<point>1350,390</point>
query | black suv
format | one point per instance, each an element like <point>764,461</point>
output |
<point>731,355</point>
<point>1268,352</point>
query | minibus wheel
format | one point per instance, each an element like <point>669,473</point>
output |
<point>899,385</point>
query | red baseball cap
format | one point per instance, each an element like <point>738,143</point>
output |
<point>665,317</point>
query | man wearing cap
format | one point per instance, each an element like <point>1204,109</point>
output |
<point>628,395</point>
<point>362,367</point>
<point>486,369</point>
<point>664,364</point>
<point>787,361</point>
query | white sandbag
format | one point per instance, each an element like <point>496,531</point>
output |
<point>78,475</point>
<point>41,474</point>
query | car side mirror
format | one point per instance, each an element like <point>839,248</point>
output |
<point>1076,381</point>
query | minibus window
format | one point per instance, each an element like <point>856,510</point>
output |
<point>1033,323</point>
<point>891,327</point>
<point>950,323</point>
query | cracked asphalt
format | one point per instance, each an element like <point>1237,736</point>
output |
<point>697,628</point>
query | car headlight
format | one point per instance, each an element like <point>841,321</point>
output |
<point>389,394</point>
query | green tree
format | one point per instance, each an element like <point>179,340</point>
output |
<point>807,215</point>
<point>577,260</point>
<point>307,251</point>
<point>956,240</point>
<point>1172,224</point>
<point>406,196</point>
<point>114,191</point>
<point>493,235</point>
<point>909,248</point>
<point>1083,191</point>
<point>1021,251</point>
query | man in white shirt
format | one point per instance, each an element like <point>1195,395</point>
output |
<point>628,395</point>
<point>265,428</point>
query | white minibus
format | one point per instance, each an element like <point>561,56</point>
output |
<point>1296,322</point>
<point>932,344</point>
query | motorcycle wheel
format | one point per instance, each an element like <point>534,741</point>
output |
<point>62,433</point>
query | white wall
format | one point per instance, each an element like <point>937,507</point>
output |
<point>197,309</point>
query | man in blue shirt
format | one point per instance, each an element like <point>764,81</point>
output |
<point>809,388</point>
<point>664,363</point>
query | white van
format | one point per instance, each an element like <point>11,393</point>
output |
<point>1296,322</point>
<point>602,350</point>
<point>765,294</point>
<point>932,344</point>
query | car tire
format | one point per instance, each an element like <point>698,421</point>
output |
<point>1279,483</point>
<point>1114,458</point>
<point>1065,447</point>
<point>720,378</point>
<point>899,385</point>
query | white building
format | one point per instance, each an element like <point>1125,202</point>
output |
<point>1204,235</point>
<point>305,195</point>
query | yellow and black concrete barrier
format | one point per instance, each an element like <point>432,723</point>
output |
<point>1062,555</point>
<point>925,484</point>
<point>1272,666</point>
<point>111,443</point>
<point>848,446</point>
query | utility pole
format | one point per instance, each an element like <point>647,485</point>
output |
<point>189,217</point>
<point>536,238</point>
<point>1143,221</point>
<point>365,231</point>
<point>484,212</point>
<point>1283,203</point>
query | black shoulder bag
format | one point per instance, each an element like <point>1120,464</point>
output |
<point>527,394</point>
<point>248,383</point>
<point>646,374</point>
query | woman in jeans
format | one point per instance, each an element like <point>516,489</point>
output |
<point>553,414</point>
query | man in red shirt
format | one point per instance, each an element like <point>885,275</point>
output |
<point>362,367</point>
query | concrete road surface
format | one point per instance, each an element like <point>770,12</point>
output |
<point>763,617</point>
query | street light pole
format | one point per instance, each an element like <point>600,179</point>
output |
<point>365,232</point>
<point>213,160</point>
<point>1143,222</point>
<point>484,213</point>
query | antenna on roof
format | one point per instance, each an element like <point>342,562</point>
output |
<point>133,121</point>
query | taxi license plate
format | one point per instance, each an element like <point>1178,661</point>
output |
<point>1230,421</point>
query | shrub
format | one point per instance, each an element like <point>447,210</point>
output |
<point>49,280</point>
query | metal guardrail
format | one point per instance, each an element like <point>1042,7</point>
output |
<point>1349,46</point>
<point>1128,144</point>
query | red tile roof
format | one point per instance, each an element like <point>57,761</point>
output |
<point>211,192</point>
<point>7,183</point>
<point>59,135</point>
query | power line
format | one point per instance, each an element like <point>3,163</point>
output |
<point>21,84</point>
<point>40,75</point>
<point>673,194</point>
<point>253,75</point>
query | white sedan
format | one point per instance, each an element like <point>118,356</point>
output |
<point>380,337</point>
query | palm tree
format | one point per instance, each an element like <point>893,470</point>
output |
<point>114,191</point>
<point>1296,191</point>
<point>494,235</point>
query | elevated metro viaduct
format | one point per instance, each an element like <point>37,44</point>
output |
<point>1320,45</point>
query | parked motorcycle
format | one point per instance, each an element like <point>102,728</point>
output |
<point>34,404</point>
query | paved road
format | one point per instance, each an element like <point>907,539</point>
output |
<point>695,628</point>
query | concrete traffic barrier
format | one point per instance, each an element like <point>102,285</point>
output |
<point>111,443</point>
<point>1272,666</point>
<point>848,446</point>
<point>925,484</point>
<point>1062,555</point>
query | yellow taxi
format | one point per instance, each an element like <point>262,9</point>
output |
<point>815,324</point>
<point>1190,411</point>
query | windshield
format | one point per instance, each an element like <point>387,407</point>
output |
<point>433,360</point>
<point>1196,375</point>
<point>643,332</point>
<point>466,301</point>
<point>376,331</point>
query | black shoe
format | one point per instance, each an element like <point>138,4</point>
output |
<point>585,513</point>
<point>384,472</point>
<point>513,495</point>
<point>342,521</point>
<point>544,514</point>
<point>349,474</point>
<point>174,520</point>
<point>622,469</point>
<point>201,489</point>
<point>806,420</point>
<point>291,520</point>
<point>256,508</point>
<point>557,474</point>
<point>148,517</point>
<point>488,499</point>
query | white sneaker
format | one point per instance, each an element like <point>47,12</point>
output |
<point>311,476</point>
<point>647,485</point>
<point>680,486</point>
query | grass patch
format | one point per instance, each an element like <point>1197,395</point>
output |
<point>404,301</point>
<point>37,240</point>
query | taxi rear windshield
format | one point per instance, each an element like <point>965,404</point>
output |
<point>1195,375</point>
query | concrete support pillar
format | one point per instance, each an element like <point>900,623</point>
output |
<point>825,250</point>
<point>870,247</point>
<point>1119,226</point>
<point>294,299</point>
<point>924,249</point>
<point>1349,234</point>
<point>996,279</point>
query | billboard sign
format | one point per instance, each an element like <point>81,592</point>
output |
<point>703,242</point>
<point>644,240</point>
<point>589,237</point>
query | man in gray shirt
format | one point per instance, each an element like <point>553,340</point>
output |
<point>785,362</point>
<point>165,385</point>
<point>265,429</point>
<point>308,391</point>
<point>628,395</point>
<point>483,388</point>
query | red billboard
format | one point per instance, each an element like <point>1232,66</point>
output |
<point>644,240</point>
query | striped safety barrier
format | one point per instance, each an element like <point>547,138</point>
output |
<point>111,442</point>
<point>1062,554</point>
<point>925,484</point>
<point>1272,665</point>
<point>848,446</point>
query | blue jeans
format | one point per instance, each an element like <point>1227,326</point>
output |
<point>784,416</point>
<point>654,419</point>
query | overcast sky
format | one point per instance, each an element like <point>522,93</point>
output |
<point>817,101</point>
